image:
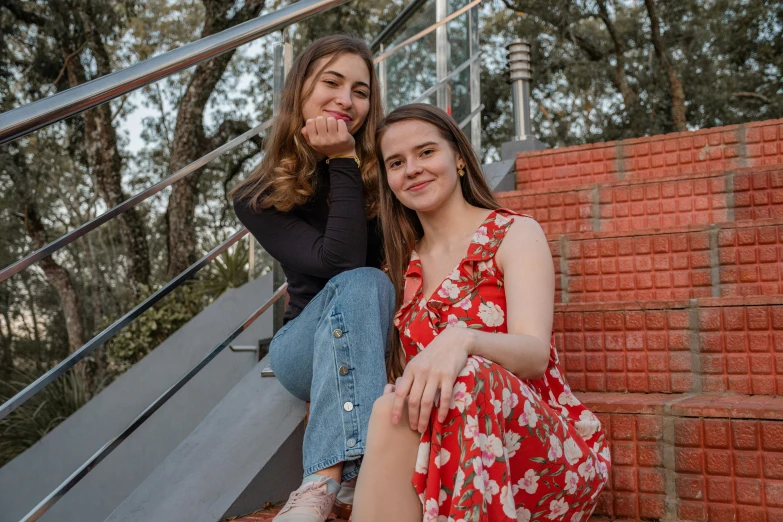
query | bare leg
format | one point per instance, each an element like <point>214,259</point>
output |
<point>384,491</point>
<point>333,472</point>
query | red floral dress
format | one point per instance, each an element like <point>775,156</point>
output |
<point>510,449</point>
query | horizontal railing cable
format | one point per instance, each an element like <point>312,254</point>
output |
<point>110,446</point>
<point>446,79</point>
<point>470,116</point>
<point>128,204</point>
<point>33,116</point>
<point>110,331</point>
<point>418,36</point>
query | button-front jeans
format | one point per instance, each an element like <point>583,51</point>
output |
<point>333,355</point>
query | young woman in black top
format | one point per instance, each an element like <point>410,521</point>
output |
<point>312,204</point>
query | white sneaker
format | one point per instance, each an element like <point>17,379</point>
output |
<point>310,503</point>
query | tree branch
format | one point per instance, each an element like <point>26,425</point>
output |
<point>746,94</point>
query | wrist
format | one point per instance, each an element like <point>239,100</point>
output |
<point>470,342</point>
<point>351,156</point>
<point>345,154</point>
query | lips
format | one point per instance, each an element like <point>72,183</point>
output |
<point>419,186</point>
<point>340,116</point>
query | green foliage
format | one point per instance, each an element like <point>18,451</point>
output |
<point>154,326</point>
<point>42,413</point>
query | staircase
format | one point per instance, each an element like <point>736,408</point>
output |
<point>668,252</point>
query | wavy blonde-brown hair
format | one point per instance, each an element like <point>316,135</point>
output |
<point>285,178</point>
<point>401,226</point>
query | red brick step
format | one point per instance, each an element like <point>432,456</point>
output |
<point>699,198</point>
<point>728,259</point>
<point>692,457</point>
<point>718,149</point>
<point>702,345</point>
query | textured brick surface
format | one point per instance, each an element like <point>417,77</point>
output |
<point>711,345</point>
<point>708,150</point>
<point>731,259</point>
<point>715,466</point>
<point>698,198</point>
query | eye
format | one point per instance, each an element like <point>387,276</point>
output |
<point>427,152</point>
<point>362,94</point>
<point>394,164</point>
<point>331,83</point>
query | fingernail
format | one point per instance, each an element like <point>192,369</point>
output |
<point>395,419</point>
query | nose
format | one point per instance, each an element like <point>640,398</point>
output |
<point>412,167</point>
<point>343,98</point>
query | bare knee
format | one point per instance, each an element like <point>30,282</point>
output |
<point>381,429</point>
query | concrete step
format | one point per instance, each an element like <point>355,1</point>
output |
<point>693,199</point>
<point>713,150</point>
<point>728,259</point>
<point>695,457</point>
<point>703,345</point>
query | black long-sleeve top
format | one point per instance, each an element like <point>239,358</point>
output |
<point>322,238</point>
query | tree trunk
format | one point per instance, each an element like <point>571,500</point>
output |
<point>190,140</point>
<point>675,85</point>
<point>104,156</point>
<point>620,78</point>
<point>57,275</point>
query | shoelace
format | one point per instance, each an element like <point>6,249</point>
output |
<point>309,495</point>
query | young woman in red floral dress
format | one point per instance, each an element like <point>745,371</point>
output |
<point>480,415</point>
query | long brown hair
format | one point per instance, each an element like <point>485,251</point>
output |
<point>401,225</point>
<point>285,178</point>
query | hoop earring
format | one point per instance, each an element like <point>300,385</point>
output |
<point>461,172</point>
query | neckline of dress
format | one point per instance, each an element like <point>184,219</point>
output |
<point>420,290</point>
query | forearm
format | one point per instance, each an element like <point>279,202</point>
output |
<point>526,356</point>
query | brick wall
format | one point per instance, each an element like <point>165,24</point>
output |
<point>709,150</point>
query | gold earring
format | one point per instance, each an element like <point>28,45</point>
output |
<point>461,172</point>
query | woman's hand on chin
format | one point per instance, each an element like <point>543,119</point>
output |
<point>329,136</point>
<point>433,370</point>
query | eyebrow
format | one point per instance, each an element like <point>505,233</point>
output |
<point>342,76</point>
<point>417,147</point>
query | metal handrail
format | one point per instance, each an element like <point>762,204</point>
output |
<point>429,92</point>
<point>425,32</point>
<point>142,196</point>
<point>395,25</point>
<point>110,446</point>
<point>128,204</point>
<point>110,331</point>
<point>24,395</point>
<point>470,116</point>
<point>28,118</point>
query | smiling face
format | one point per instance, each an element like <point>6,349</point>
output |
<point>341,90</point>
<point>421,165</point>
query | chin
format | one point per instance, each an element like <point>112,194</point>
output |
<point>423,206</point>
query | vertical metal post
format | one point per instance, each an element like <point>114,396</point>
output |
<point>475,79</point>
<point>284,58</point>
<point>442,54</point>
<point>519,65</point>
<point>382,81</point>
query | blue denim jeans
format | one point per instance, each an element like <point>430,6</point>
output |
<point>333,355</point>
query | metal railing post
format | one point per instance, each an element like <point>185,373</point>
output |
<point>382,83</point>
<point>475,80</point>
<point>519,66</point>
<point>442,54</point>
<point>284,59</point>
